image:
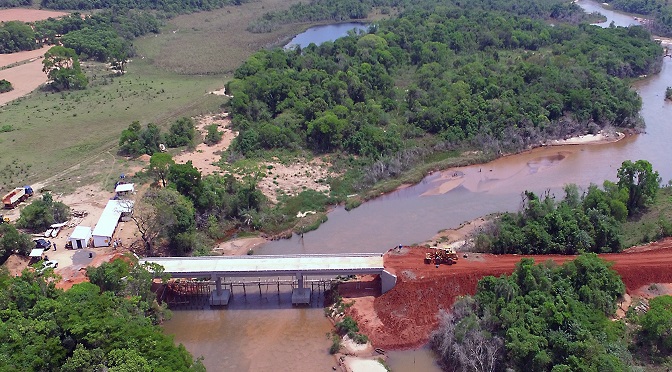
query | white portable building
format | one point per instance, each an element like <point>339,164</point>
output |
<point>115,209</point>
<point>124,189</point>
<point>80,237</point>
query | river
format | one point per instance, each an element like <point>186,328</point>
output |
<point>266,333</point>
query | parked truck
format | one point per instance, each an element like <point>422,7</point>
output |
<point>16,196</point>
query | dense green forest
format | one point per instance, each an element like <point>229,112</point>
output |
<point>108,324</point>
<point>497,81</point>
<point>588,222</point>
<point>166,6</point>
<point>325,10</point>
<point>658,11</point>
<point>540,318</point>
<point>16,36</point>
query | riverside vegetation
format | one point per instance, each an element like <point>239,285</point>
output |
<point>110,323</point>
<point>592,222</point>
<point>551,318</point>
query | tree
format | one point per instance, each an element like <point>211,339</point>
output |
<point>640,181</point>
<point>159,164</point>
<point>148,223</point>
<point>657,323</point>
<point>150,138</point>
<point>129,142</point>
<point>61,65</point>
<point>464,341</point>
<point>176,215</point>
<point>12,240</point>
<point>40,214</point>
<point>182,133</point>
<point>186,179</point>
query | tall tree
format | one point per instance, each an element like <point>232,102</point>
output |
<point>61,65</point>
<point>159,164</point>
<point>641,181</point>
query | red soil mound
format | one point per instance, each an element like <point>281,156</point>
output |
<point>408,312</point>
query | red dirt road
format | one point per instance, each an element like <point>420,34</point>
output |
<point>405,316</point>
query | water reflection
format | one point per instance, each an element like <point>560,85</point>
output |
<point>320,34</point>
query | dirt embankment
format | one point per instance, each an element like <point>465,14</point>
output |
<point>406,315</point>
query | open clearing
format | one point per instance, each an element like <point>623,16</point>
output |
<point>214,42</point>
<point>8,59</point>
<point>24,78</point>
<point>28,15</point>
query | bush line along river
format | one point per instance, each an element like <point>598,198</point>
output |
<point>266,333</point>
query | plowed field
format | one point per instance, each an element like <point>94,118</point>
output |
<point>405,316</point>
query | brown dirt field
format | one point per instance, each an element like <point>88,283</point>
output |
<point>407,314</point>
<point>204,156</point>
<point>15,264</point>
<point>24,78</point>
<point>8,59</point>
<point>28,15</point>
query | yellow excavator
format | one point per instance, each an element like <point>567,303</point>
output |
<point>441,255</point>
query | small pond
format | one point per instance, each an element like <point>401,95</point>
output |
<point>320,34</point>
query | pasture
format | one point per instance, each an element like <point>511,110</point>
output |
<point>214,42</point>
<point>72,137</point>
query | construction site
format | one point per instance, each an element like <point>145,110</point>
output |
<point>404,317</point>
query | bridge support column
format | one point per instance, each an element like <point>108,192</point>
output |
<point>220,297</point>
<point>387,281</point>
<point>301,295</point>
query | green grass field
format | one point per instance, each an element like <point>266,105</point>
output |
<point>215,42</point>
<point>49,133</point>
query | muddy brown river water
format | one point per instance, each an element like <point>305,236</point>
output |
<point>264,333</point>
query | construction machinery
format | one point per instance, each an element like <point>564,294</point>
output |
<point>441,255</point>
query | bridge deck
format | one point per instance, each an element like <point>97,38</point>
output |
<point>309,264</point>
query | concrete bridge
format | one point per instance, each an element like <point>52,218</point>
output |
<point>300,266</point>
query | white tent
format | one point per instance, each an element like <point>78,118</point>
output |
<point>102,234</point>
<point>80,237</point>
<point>36,252</point>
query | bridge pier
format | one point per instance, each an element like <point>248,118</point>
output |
<point>220,297</point>
<point>301,295</point>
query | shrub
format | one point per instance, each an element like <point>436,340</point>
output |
<point>347,326</point>
<point>5,86</point>
<point>335,344</point>
<point>213,136</point>
<point>360,339</point>
<point>182,133</point>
